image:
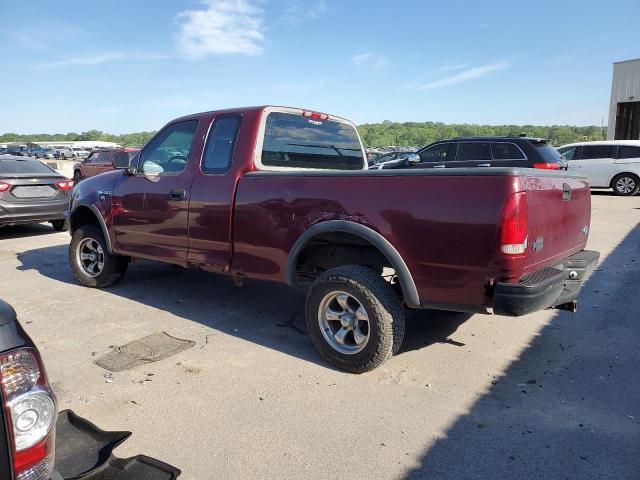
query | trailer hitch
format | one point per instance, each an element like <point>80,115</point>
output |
<point>571,306</point>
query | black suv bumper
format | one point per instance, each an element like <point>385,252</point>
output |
<point>549,287</point>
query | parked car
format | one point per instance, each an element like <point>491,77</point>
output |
<point>397,159</point>
<point>522,152</point>
<point>607,164</point>
<point>66,152</point>
<point>80,152</point>
<point>98,161</point>
<point>18,151</point>
<point>44,152</point>
<point>284,194</point>
<point>32,192</point>
<point>40,444</point>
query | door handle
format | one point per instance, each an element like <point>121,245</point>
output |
<point>484,164</point>
<point>178,194</point>
<point>438,166</point>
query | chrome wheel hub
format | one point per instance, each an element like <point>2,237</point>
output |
<point>90,257</point>
<point>625,185</point>
<point>344,322</point>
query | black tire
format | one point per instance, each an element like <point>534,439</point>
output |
<point>77,176</point>
<point>114,266</point>
<point>625,184</point>
<point>386,317</point>
<point>60,225</point>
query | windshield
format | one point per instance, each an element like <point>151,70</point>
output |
<point>296,141</point>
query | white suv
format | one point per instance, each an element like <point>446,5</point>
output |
<point>607,164</point>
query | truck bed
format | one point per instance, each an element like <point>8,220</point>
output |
<point>442,222</point>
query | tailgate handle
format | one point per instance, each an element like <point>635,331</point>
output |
<point>566,192</point>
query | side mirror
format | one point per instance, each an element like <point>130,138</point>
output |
<point>412,158</point>
<point>120,162</point>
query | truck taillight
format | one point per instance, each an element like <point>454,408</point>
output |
<point>65,184</point>
<point>316,115</point>
<point>547,166</point>
<point>4,187</point>
<point>513,226</point>
<point>30,409</point>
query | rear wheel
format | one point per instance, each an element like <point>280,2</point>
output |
<point>354,318</point>
<point>60,225</point>
<point>91,261</point>
<point>626,184</point>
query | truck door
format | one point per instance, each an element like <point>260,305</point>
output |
<point>151,207</point>
<point>212,196</point>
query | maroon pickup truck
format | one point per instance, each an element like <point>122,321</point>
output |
<point>284,194</point>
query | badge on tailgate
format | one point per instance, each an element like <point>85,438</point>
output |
<point>566,192</point>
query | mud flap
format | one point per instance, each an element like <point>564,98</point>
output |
<point>85,452</point>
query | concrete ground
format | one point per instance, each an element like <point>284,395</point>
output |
<point>551,395</point>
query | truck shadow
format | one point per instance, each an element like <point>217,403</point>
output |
<point>269,314</point>
<point>568,406</point>
<point>23,231</point>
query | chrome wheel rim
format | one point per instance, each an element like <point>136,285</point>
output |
<point>344,322</point>
<point>90,257</point>
<point>625,185</point>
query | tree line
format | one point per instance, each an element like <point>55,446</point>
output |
<point>422,133</point>
<point>382,134</point>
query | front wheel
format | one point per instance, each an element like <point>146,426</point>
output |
<point>626,184</point>
<point>77,176</point>
<point>354,318</point>
<point>91,261</point>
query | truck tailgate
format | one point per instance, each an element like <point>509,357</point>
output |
<point>559,212</point>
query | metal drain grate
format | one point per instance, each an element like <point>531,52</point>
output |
<point>145,350</point>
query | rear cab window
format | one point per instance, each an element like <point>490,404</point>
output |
<point>295,140</point>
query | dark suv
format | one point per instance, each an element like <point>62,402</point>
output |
<point>524,152</point>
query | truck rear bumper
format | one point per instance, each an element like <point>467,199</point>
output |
<point>549,287</point>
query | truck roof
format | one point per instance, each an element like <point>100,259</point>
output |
<point>253,109</point>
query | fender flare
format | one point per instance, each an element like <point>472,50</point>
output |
<point>409,290</point>
<point>103,226</point>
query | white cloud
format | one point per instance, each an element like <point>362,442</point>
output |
<point>223,27</point>
<point>452,67</point>
<point>85,60</point>
<point>370,60</point>
<point>97,59</point>
<point>466,75</point>
<point>298,11</point>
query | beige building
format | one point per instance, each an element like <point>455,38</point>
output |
<point>624,110</point>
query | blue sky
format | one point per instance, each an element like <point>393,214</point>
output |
<point>123,66</point>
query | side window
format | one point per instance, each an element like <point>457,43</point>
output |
<point>93,157</point>
<point>569,153</point>
<point>169,151</point>
<point>506,151</point>
<point>592,152</point>
<point>473,151</point>
<point>221,144</point>
<point>435,153</point>
<point>104,157</point>
<point>627,151</point>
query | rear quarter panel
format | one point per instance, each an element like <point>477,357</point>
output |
<point>443,225</point>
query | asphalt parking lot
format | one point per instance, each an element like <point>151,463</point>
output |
<point>549,395</point>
